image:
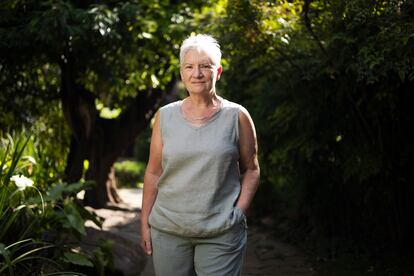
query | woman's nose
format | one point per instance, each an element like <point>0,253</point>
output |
<point>197,71</point>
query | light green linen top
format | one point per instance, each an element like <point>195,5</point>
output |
<point>200,183</point>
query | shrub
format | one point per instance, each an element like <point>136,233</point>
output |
<point>129,173</point>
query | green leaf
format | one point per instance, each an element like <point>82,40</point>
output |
<point>77,187</point>
<point>77,259</point>
<point>74,218</point>
<point>6,255</point>
<point>55,193</point>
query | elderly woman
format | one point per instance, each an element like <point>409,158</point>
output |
<point>201,175</point>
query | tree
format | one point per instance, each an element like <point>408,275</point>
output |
<point>117,55</point>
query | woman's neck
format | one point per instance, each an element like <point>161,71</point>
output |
<point>203,101</point>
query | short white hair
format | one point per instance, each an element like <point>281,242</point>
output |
<point>202,42</point>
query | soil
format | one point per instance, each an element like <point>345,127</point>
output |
<point>265,256</point>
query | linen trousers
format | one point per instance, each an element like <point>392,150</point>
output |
<point>220,255</point>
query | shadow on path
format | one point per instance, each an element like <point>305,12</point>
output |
<point>265,256</point>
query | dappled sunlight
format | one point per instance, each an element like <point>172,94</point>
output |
<point>133,197</point>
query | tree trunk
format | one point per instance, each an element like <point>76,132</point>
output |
<point>105,148</point>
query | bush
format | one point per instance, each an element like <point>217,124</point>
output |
<point>129,173</point>
<point>37,218</point>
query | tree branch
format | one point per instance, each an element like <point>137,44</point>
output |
<point>308,25</point>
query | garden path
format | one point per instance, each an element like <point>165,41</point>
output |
<point>265,256</point>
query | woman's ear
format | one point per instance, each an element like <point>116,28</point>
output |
<point>219,71</point>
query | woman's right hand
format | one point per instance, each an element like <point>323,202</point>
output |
<point>146,240</point>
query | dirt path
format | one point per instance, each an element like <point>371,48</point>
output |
<point>265,256</point>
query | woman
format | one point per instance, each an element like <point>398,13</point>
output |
<point>201,175</point>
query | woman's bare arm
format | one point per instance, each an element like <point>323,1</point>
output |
<point>249,164</point>
<point>151,177</point>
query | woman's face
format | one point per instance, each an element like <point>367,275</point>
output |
<point>198,73</point>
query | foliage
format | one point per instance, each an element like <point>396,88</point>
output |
<point>119,48</point>
<point>38,219</point>
<point>129,173</point>
<point>328,85</point>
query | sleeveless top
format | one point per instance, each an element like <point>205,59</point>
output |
<point>200,182</point>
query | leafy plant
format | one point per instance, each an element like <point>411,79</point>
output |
<point>40,223</point>
<point>22,252</point>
